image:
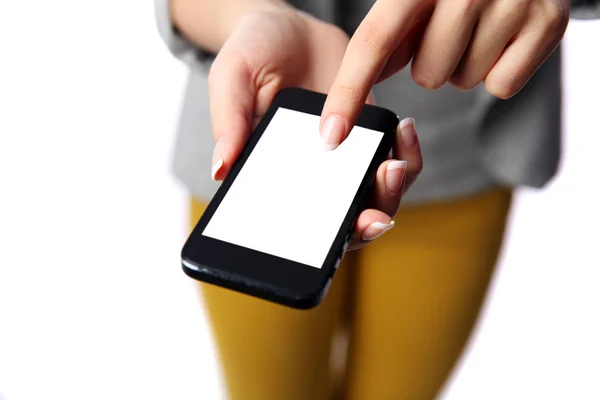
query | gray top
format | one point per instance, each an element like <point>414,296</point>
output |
<point>470,140</point>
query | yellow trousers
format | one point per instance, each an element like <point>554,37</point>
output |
<point>401,309</point>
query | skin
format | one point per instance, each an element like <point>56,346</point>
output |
<point>500,43</point>
<point>265,45</point>
<point>276,47</point>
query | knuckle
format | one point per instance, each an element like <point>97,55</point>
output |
<point>467,7</point>
<point>426,80</point>
<point>463,82</point>
<point>337,33</point>
<point>512,10</point>
<point>417,167</point>
<point>502,90</point>
<point>557,17</point>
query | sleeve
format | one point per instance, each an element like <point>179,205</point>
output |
<point>179,46</point>
<point>585,9</point>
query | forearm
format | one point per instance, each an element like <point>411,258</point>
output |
<point>208,23</point>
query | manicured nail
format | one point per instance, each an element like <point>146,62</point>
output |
<point>375,230</point>
<point>217,159</point>
<point>215,169</point>
<point>394,176</point>
<point>408,132</point>
<point>332,131</point>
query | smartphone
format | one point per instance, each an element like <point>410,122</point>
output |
<point>280,222</point>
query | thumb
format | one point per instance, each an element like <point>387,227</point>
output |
<point>232,97</point>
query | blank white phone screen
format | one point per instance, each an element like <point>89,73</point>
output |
<point>291,196</point>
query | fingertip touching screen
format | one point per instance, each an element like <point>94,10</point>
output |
<point>291,195</point>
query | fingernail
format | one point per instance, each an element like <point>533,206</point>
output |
<point>215,169</point>
<point>332,131</point>
<point>217,160</point>
<point>376,229</point>
<point>408,132</point>
<point>394,176</point>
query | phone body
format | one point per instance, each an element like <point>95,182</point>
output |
<point>282,219</point>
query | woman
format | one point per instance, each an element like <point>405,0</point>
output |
<point>408,300</point>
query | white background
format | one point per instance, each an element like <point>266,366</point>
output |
<point>93,304</point>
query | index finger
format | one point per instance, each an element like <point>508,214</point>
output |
<point>384,27</point>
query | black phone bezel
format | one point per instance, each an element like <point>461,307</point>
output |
<point>263,275</point>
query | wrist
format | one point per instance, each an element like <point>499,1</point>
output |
<point>232,17</point>
<point>208,23</point>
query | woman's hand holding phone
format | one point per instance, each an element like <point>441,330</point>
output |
<point>271,50</point>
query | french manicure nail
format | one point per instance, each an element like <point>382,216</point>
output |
<point>394,176</point>
<point>332,131</point>
<point>217,159</point>
<point>408,132</point>
<point>376,229</point>
<point>215,169</point>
